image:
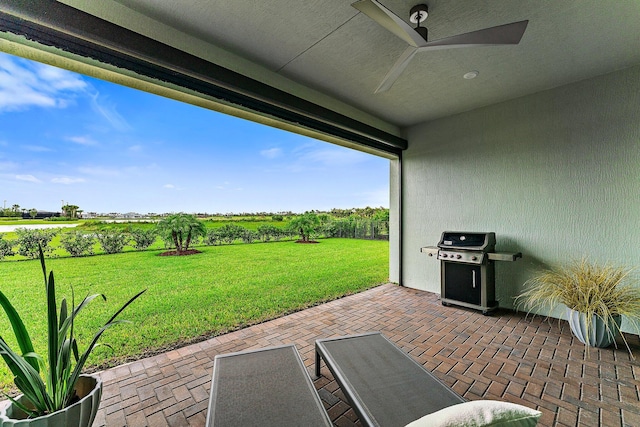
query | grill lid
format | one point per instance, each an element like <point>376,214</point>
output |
<point>471,241</point>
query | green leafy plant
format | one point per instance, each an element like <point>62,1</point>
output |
<point>249,236</point>
<point>142,238</point>
<point>229,233</point>
<point>77,243</point>
<point>112,241</point>
<point>603,291</point>
<point>181,229</point>
<point>30,242</point>
<point>50,385</point>
<point>266,232</point>
<point>212,238</point>
<point>6,248</point>
<point>306,225</point>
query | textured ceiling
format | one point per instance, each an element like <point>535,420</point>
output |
<point>331,48</point>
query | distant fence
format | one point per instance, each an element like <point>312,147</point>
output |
<point>358,228</point>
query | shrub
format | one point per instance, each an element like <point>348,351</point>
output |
<point>213,237</point>
<point>266,232</point>
<point>113,241</point>
<point>6,247</point>
<point>30,240</point>
<point>142,238</point>
<point>278,218</point>
<point>229,233</point>
<point>77,243</point>
<point>248,236</point>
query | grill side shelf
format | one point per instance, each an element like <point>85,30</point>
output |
<point>430,250</point>
<point>504,256</point>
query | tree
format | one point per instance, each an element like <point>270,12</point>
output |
<point>70,211</point>
<point>33,213</point>
<point>181,229</point>
<point>305,225</point>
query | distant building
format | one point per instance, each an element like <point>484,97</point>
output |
<point>41,215</point>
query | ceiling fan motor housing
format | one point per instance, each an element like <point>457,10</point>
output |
<point>417,15</point>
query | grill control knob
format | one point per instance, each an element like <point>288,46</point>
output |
<point>444,255</point>
<point>430,254</point>
<point>474,258</point>
<point>458,256</point>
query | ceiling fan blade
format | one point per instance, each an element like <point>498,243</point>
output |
<point>390,21</point>
<point>500,35</point>
<point>397,69</point>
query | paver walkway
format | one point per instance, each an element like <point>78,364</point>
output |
<point>504,357</point>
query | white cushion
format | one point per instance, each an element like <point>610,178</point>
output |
<point>481,413</point>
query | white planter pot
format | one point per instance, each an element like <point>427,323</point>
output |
<point>600,335</point>
<point>80,414</point>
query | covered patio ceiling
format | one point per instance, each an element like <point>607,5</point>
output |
<point>331,47</point>
<point>333,56</point>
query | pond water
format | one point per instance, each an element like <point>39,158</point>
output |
<point>11,228</point>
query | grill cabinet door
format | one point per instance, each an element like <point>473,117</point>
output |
<point>462,282</point>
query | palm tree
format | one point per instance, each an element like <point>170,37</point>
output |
<point>70,211</point>
<point>181,229</point>
<point>305,225</point>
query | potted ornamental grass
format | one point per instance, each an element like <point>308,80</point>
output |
<point>596,296</point>
<point>55,393</point>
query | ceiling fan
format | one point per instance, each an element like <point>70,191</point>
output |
<point>417,37</point>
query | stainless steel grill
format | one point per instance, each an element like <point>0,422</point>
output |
<point>467,270</point>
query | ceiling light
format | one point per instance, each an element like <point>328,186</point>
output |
<point>471,75</point>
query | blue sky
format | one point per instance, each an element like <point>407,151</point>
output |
<point>109,148</point>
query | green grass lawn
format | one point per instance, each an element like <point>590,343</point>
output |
<point>189,297</point>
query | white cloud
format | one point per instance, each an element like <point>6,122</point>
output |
<point>28,178</point>
<point>320,156</point>
<point>25,84</point>
<point>109,112</point>
<point>82,140</point>
<point>170,186</point>
<point>59,79</point>
<point>271,153</point>
<point>67,180</point>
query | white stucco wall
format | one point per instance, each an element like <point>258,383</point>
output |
<point>556,175</point>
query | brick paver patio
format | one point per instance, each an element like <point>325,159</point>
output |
<point>504,357</point>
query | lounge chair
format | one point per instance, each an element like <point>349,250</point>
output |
<point>266,387</point>
<point>383,384</point>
